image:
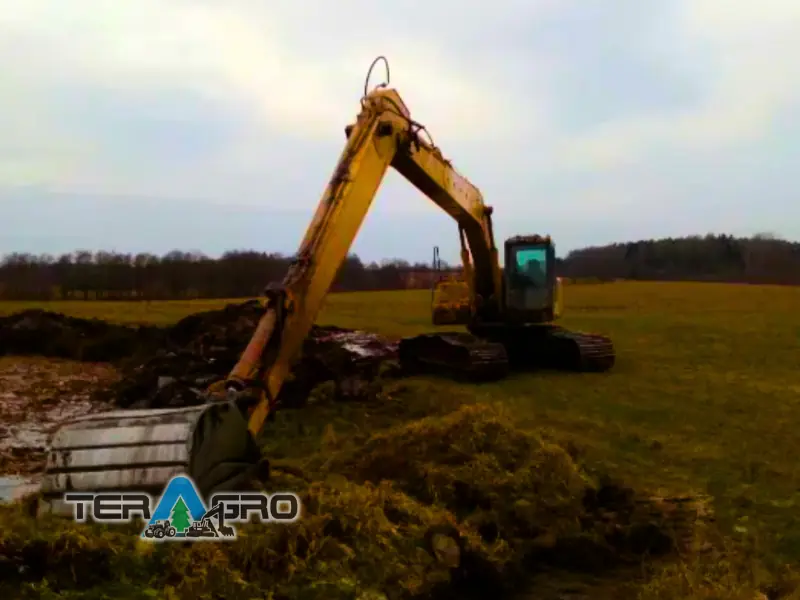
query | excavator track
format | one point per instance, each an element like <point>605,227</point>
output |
<point>457,354</point>
<point>583,352</point>
<point>552,347</point>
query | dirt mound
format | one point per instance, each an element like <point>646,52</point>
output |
<point>170,366</point>
<point>204,347</point>
<point>518,489</point>
<point>38,332</point>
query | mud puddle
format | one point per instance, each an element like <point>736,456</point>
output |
<point>36,395</point>
<point>362,344</point>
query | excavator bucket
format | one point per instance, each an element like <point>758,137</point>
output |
<point>141,450</point>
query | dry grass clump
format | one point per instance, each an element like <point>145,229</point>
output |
<point>367,541</point>
<point>476,464</point>
<point>725,573</point>
<point>355,541</point>
<point>40,557</point>
<point>516,488</point>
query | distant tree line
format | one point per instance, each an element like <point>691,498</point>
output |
<point>85,275</point>
<point>759,259</point>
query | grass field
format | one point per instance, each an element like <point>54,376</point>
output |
<point>705,396</point>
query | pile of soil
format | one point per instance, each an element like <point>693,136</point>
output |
<point>516,488</point>
<point>170,366</point>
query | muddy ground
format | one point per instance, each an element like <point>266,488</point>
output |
<point>94,365</point>
<point>35,396</point>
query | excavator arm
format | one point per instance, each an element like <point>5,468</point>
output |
<point>215,442</point>
<point>383,136</point>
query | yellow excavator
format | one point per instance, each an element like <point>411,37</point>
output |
<point>510,323</point>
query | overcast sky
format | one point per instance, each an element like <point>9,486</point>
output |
<point>148,125</point>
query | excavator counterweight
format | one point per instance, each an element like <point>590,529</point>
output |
<point>508,313</point>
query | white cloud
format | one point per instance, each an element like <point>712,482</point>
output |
<point>289,72</point>
<point>240,53</point>
<point>745,54</point>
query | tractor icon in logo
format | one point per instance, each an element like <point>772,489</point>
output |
<point>160,530</point>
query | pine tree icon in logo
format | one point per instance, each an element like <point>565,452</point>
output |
<point>180,516</point>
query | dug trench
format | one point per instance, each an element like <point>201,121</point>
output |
<point>453,505</point>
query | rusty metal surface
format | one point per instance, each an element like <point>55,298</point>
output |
<point>120,450</point>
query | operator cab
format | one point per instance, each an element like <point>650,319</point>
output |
<point>530,279</point>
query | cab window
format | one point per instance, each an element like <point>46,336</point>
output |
<point>530,266</point>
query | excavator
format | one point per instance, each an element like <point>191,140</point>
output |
<point>510,323</point>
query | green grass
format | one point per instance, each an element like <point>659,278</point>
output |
<point>705,395</point>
